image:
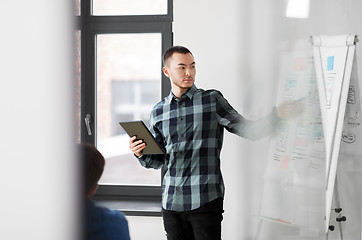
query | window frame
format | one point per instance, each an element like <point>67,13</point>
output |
<point>132,200</point>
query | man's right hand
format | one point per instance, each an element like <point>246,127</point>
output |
<point>136,146</point>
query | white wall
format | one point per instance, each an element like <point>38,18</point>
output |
<point>146,228</point>
<point>38,175</point>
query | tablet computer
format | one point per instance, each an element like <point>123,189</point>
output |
<point>140,130</point>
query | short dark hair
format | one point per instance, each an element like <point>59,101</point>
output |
<point>93,165</point>
<point>175,49</point>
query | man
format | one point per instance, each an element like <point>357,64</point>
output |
<point>189,124</point>
<point>100,223</point>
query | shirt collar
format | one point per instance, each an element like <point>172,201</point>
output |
<point>190,93</point>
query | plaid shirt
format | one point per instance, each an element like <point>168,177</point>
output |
<point>191,130</point>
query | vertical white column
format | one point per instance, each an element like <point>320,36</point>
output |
<point>38,170</point>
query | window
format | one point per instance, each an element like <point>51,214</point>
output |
<point>128,86</point>
<point>121,46</point>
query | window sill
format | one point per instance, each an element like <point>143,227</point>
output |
<point>131,200</point>
<point>133,207</point>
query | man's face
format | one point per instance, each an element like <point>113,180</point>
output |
<point>180,69</point>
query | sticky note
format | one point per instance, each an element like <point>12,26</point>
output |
<point>301,141</point>
<point>285,162</point>
<point>330,63</point>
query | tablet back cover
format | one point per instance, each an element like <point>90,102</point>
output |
<point>140,130</point>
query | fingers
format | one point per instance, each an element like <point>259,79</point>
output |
<point>136,146</point>
<point>133,143</point>
<point>138,149</point>
<point>132,139</point>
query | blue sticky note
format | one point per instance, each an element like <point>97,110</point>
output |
<point>330,63</point>
<point>290,84</point>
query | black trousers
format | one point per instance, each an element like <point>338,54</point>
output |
<point>203,223</point>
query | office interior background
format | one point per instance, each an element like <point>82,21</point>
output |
<point>238,48</point>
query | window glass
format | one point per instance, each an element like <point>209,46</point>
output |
<point>129,7</point>
<point>128,86</point>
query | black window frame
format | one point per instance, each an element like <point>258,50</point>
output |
<point>132,200</point>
